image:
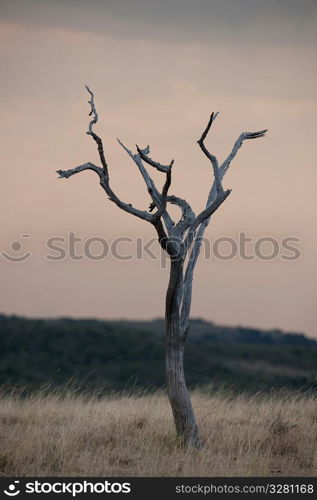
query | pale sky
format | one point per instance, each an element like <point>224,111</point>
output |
<point>158,69</point>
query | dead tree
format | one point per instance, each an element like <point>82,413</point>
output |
<point>181,240</point>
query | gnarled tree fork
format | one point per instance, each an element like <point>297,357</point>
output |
<point>181,240</point>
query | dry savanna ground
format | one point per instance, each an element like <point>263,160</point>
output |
<point>62,434</point>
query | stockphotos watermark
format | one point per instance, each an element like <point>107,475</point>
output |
<point>77,247</point>
<point>72,488</point>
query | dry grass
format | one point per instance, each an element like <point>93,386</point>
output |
<point>51,434</point>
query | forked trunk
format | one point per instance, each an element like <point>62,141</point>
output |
<point>179,398</point>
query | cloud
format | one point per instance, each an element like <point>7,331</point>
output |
<point>208,21</point>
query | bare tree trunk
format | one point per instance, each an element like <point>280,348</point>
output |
<point>179,398</point>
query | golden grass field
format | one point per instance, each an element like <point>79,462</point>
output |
<point>62,434</point>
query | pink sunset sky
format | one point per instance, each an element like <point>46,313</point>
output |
<point>158,69</point>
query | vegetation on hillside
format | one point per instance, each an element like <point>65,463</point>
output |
<point>116,355</point>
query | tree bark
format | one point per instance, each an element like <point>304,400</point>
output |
<point>178,394</point>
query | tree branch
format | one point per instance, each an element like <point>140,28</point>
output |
<point>158,199</point>
<point>90,131</point>
<point>152,190</point>
<point>245,135</point>
<point>85,166</point>
<point>188,215</point>
<point>104,182</point>
<point>210,156</point>
<point>168,181</point>
<point>144,155</point>
<point>165,187</point>
<point>210,209</point>
<point>198,238</point>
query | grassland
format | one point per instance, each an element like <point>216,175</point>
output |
<point>63,434</point>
